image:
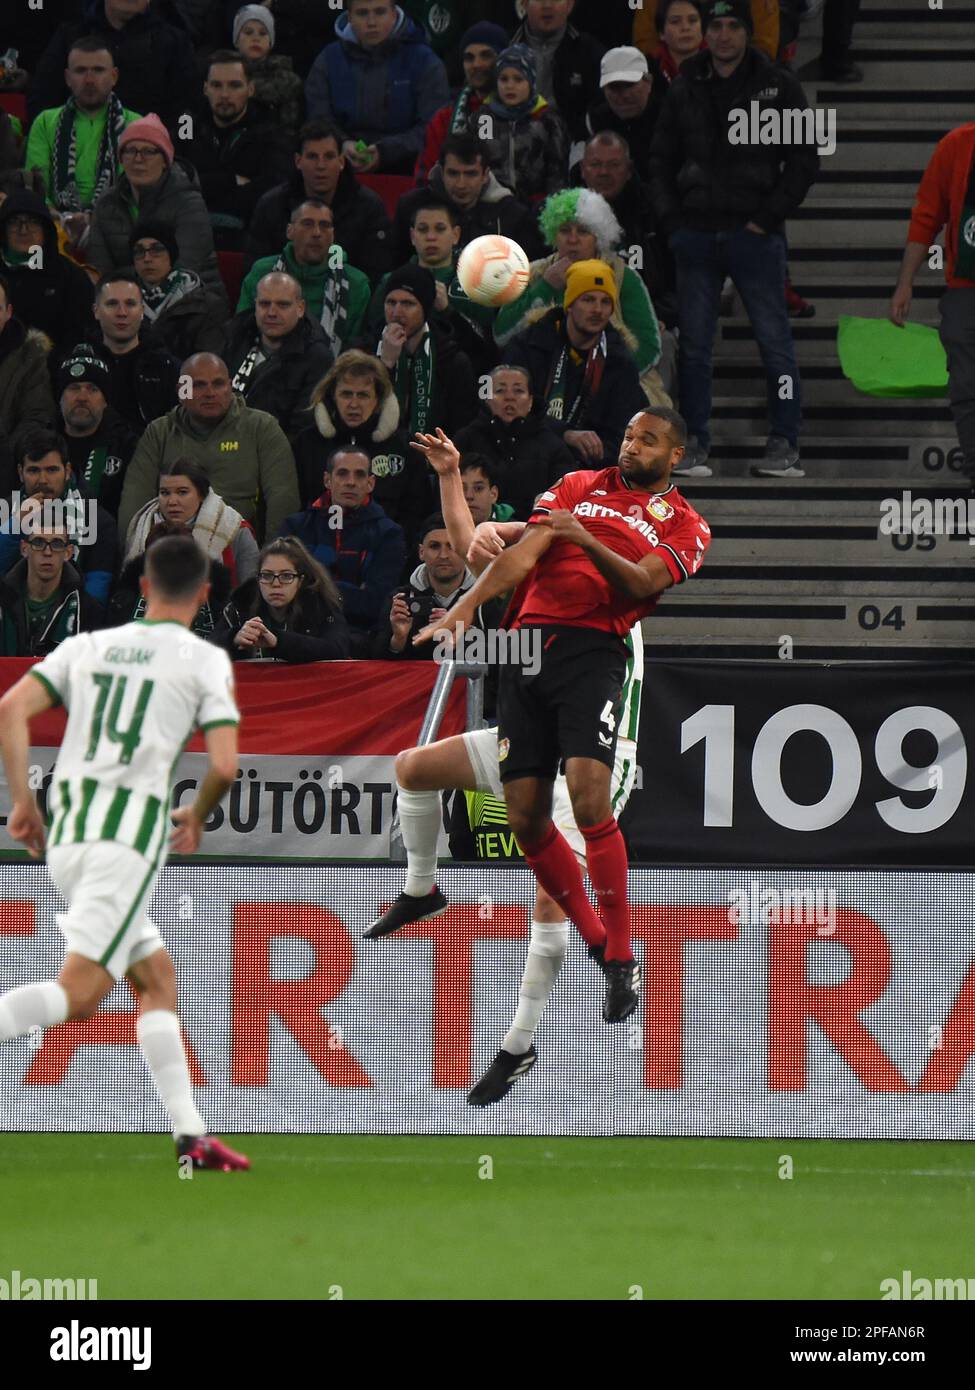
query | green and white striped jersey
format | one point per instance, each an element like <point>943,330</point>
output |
<point>135,695</point>
<point>632,684</point>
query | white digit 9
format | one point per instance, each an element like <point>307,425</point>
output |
<point>951,758</point>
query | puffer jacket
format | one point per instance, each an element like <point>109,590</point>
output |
<point>54,297</point>
<point>282,384</point>
<point>364,555</point>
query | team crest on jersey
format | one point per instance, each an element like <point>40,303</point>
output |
<point>662,510</point>
<point>503,747</point>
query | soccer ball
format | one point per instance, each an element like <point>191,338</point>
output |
<point>492,270</point>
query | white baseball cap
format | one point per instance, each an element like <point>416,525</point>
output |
<point>623,65</point>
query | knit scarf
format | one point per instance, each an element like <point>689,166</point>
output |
<point>462,111</point>
<point>177,285</point>
<point>531,107</point>
<point>334,317</point>
<point>591,380</point>
<point>66,194</point>
<point>246,369</point>
<point>214,527</point>
<point>413,380</point>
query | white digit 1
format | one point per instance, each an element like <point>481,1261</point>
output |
<point>715,724</point>
<point>951,757</point>
<point>767,767</point>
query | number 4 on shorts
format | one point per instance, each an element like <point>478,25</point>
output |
<point>607,717</point>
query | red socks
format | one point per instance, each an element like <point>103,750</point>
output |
<point>556,868</point>
<point>606,862</point>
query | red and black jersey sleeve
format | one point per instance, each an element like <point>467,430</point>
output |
<point>563,495</point>
<point>683,544</point>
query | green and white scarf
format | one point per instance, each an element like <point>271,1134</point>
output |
<point>462,111</point>
<point>334,317</point>
<point>66,195</point>
<point>177,285</point>
<point>413,380</point>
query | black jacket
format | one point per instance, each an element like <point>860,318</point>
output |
<point>256,149</point>
<point>638,134</point>
<point>194,323</point>
<point>610,408</point>
<point>526,456</point>
<point>127,604</point>
<point>362,228</point>
<point>99,461</point>
<point>699,179</point>
<point>153,371</point>
<point>282,384</point>
<point>76,612</point>
<point>322,636</point>
<point>497,212</point>
<point>56,298</point>
<point>422,600</point>
<point>575,68</point>
<point>454,395</point>
<point>634,210</point>
<point>154,56</point>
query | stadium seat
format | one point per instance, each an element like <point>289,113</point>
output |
<point>15,104</point>
<point>231,267</point>
<point>390,188</point>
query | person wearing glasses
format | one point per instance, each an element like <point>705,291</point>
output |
<point>152,185</point>
<point>42,600</point>
<point>291,611</point>
<point>184,315</point>
<point>49,293</point>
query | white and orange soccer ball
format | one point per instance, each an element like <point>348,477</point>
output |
<point>492,270</point>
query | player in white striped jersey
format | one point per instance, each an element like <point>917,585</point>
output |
<point>135,695</point>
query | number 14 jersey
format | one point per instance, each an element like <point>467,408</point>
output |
<point>135,695</point>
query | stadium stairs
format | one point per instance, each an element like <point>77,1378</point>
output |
<point>804,559</point>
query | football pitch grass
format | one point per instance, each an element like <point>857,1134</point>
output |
<point>362,1217</point>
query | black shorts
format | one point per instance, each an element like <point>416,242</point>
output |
<point>570,707</point>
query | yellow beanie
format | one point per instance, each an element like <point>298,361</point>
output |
<point>583,276</point>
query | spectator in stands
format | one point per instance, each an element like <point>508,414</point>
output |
<point>361,224</point>
<point>153,186</point>
<point>25,384</point>
<point>433,379</point>
<point>943,203</point>
<point>154,58</point>
<point>381,82</point>
<point>354,405</point>
<point>481,491</point>
<point>443,24</point>
<point>479,49</point>
<point>835,63</point>
<point>528,140</point>
<point>629,103</point>
<point>184,315</point>
<point>607,168</point>
<point>524,454</point>
<point>438,582</point>
<point>41,598</point>
<point>277,86</point>
<point>566,60</point>
<point>49,292</point>
<point>336,295</point>
<point>301,29</point>
<point>44,475</point>
<point>292,611</point>
<point>580,226</point>
<point>482,205</point>
<point>128,604</point>
<point>670,34</point>
<point>583,375</point>
<point>236,149</point>
<point>244,452</point>
<point>724,205</point>
<point>144,376</point>
<point>186,502</point>
<point>75,146</point>
<point>100,443</point>
<point>349,533</point>
<point>276,354</point>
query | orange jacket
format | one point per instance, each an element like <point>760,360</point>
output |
<point>765,21</point>
<point>941,197</point>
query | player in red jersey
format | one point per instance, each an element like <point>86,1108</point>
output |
<point>600,548</point>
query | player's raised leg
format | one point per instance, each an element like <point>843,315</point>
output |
<point>80,987</point>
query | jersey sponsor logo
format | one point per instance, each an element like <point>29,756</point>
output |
<point>662,510</point>
<point>596,509</point>
<point>388,465</point>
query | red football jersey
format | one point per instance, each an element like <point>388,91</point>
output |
<point>566,588</point>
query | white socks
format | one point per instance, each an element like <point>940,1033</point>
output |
<point>162,1047</point>
<point>420,819</point>
<point>31,1006</point>
<point>546,952</point>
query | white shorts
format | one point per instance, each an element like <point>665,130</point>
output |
<point>482,749</point>
<point>108,887</point>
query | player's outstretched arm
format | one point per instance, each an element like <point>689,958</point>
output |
<point>443,457</point>
<point>29,697</point>
<point>490,538</point>
<point>221,745</point>
<point>638,581</point>
<point>504,574</point>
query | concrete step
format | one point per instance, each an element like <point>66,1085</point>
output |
<point>704,645</point>
<point>831,461</point>
<point>850,224</point>
<point>852,498</point>
<point>881,618</point>
<point>913,19</point>
<point>839,544</point>
<point>738,416</point>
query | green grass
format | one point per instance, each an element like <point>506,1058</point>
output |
<point>409,1218</point>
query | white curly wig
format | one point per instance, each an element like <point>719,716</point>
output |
<point>590,210</point>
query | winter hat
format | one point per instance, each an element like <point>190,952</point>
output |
<point>584,276</point>
<point>491,35</point>
<point>83,364</point>
<point>589,209</point>
<point>258,12</point>
<point>162,232</point>
<point>417,282</point>
<point>730,9</point>
<point>151,131</point>
<point>520,56</point>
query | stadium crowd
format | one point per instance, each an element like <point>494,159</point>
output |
<point>228,289</point>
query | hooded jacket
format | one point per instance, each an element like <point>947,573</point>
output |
<point>364,555</point>
<point>361,224</point>
<point>98,461</point>
<point>383,95</point>
<point>246,456</point>
<point>282,384</point>
<point>497,212</point>
<point>175,199</point>
<point>25,384</point>
<point>699,178</point>
<point>526,456</point>
<point>321,636</point>
<point>56,297</point>
<point>256,149</point>
<point>74,612</point>
<point>530,154</point>
<point>422,599</point>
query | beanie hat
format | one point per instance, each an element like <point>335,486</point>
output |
<point>83,364</point>
<point>417,282</point>
<point>161,231</point>
<point>491,35</point>
<point>519,56</point>
<point>258,12</point>
<point>151,131</point>
<point>583,276</point>
<point>589,209</point>
<point>730,9</point>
